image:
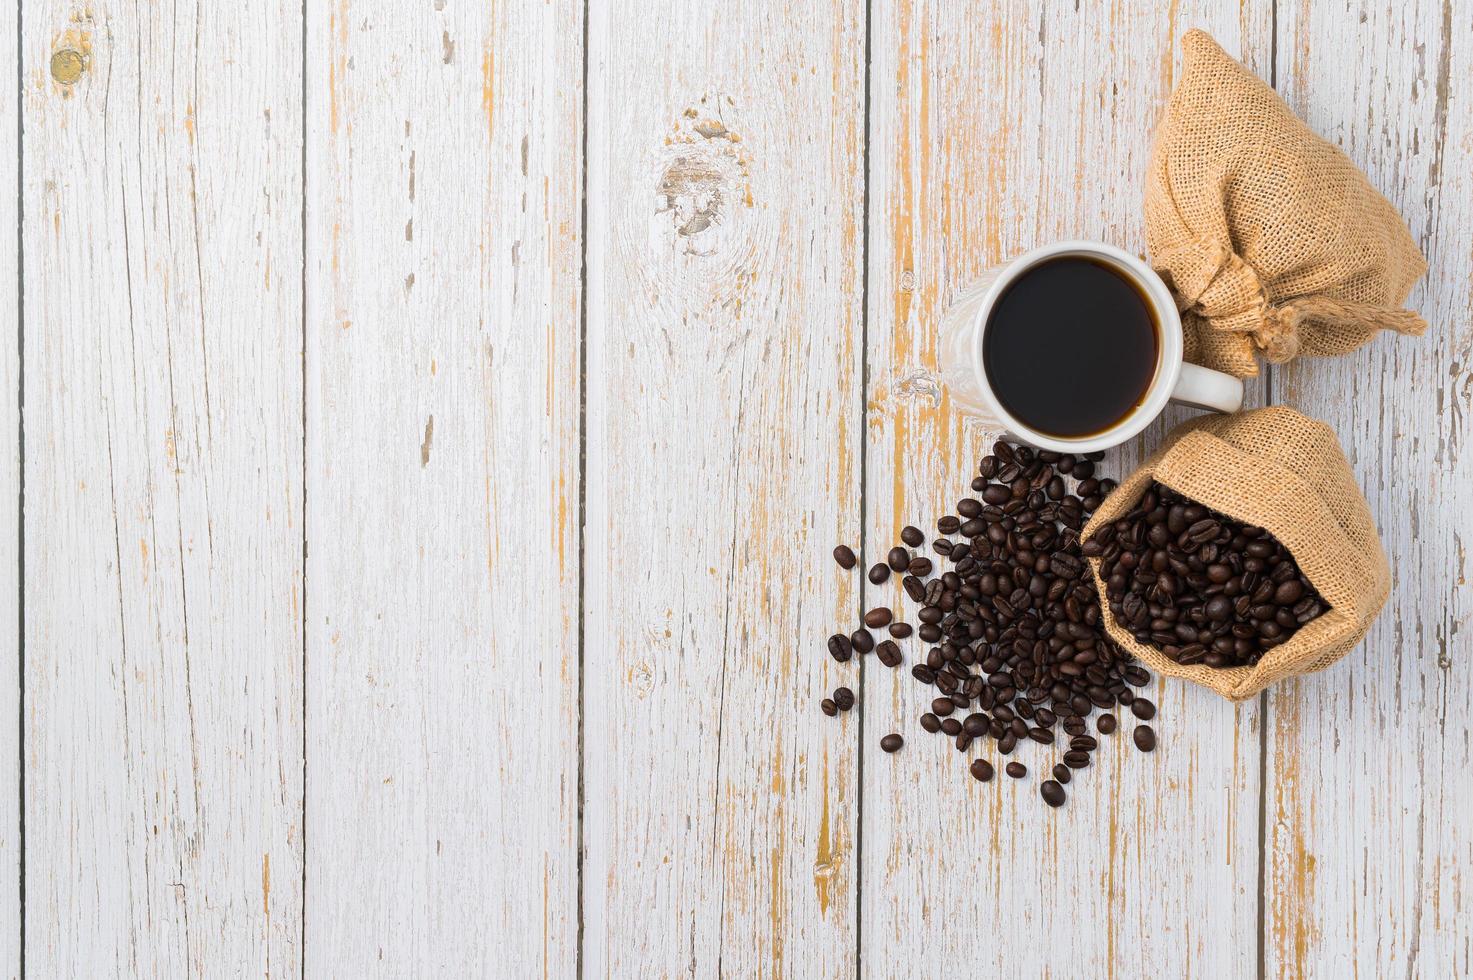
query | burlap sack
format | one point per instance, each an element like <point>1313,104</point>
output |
<point>1285,472</point>
<point>1272,240</point>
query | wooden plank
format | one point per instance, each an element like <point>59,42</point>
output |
<point>995,130</point>
<point>1369,848</point>
<point>442,349</point>
<point>163,471</point>
<point>10,695</point>
<point>724,340</point>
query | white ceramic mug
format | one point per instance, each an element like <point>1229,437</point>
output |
<point>1175,380</point>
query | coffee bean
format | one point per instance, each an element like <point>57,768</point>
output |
<point>1288,592</point>
<point>1145,738</point>
<point>996,494</point>
<point>1052,793</point>
<point>878,617</point>
<point>920,567</point>
<point>1016,769</point>
<point>889,653</point>
<point>942,707</point>
<point>1106,724</point>
<point>914,588</point>
<point>1062,773</point>
<point>912,535</point>
<point>901,630</point>
<point>981,770</point>
<point>844,698</point>
<point>948,524</point>
<point>1083,743</point>
<point>1075,759</point>
<point>892,742</point>
<point>1193,653</point>
<point>878,574</point>
<point>829,707</point>
<point>862,641</point>
<point>1202,531</point>
<point>951,727</point>
<point>1143,709</point>
<point>930,722</point>
<point>898,559</point>
<point>840,647</point>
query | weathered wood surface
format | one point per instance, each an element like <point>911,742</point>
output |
<point>1033,130</point>
<point>1368,841</point>
<point>725,252</point>
<point>387,615</point>
<point>163,565</point>
<point>442,357</point>
<point>10,800</point>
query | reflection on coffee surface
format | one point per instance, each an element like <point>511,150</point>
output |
<point>1071,347</point>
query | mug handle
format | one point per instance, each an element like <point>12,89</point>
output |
<point>1201,387</point>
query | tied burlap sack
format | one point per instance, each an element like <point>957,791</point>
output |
<point>1284,472</point>
<point>1273,242</point>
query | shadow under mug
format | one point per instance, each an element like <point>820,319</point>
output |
<point>965,324</point>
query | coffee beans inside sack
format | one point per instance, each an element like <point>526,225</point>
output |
<point>1274,486</point>
<point>1199,586</point>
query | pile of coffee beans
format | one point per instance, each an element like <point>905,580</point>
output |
<point>1199,586</point>
<point>1017,649</point>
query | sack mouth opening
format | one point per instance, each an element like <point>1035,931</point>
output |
<point>1326,631</point>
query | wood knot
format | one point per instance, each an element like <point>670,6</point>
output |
<point>703,179</point>
<point>67,66</point>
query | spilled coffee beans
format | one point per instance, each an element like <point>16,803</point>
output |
<point>1015,646</point>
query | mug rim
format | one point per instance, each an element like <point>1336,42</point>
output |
<point>1169,356</point>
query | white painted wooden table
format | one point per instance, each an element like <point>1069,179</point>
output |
<point>429,423</point>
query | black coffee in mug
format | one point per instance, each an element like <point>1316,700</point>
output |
<point>1071,346</point>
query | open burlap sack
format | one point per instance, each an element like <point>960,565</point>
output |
<point>1273,242</point>
<point>1282,471</point>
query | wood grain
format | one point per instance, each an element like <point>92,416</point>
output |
<point>193,756</point>
<point>163,506</point>
<point>997,129</point>
<point>724,253</point>
<point>442,608</point>
<point>10,695</point>
<point>1369,846</point>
